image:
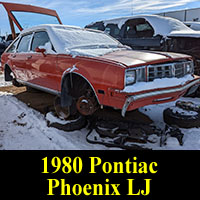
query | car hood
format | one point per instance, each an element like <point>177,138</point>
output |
<point>133,57</point>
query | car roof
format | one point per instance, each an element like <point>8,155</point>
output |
<point>49,26</point>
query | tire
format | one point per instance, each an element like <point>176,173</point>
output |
<point>181,118</point>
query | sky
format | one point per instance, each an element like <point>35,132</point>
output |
<point>83,12</point>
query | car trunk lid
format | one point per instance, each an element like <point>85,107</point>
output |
<point>24,16</point>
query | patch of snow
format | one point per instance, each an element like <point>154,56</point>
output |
<point>4,83</point>
<point>48,47</point>
<point>157,83</point>
<point>71,69</point>
<point>24,128</point>
<point>181,111</point>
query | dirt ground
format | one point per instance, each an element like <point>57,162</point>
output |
<point>35,99</point>
<point>43,102</point>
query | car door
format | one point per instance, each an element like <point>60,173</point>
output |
<point>19,58</point>
<point>43,66</point>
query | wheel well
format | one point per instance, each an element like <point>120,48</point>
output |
<point>7,73</point>
<point>73,86</point>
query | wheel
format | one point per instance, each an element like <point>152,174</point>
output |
<point>181,118</point>
<point>84,99</point>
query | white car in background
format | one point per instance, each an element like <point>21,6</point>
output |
<point>193,25</point>
<point>153,32</point>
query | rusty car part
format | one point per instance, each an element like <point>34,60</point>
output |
<point>86,106</point>
<point>171,131</point>
<point>111,135</point>
<point>76,123</point>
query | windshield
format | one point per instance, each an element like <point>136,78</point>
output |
<point>76,38</point>
<point>29,19</point>
<point>77,41</point>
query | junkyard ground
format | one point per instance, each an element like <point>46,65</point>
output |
<point>23,124</point>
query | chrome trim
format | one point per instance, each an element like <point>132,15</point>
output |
<point>130,99</point>
<point>38,87</point>
<point>172,69</point>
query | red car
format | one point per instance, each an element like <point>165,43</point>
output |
<point>88,69</point>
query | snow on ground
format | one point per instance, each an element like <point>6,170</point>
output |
<point>2,82</point>
<point>24,128</point>
<point>191,137</point>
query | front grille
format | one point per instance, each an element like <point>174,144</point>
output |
<point>169,70</point>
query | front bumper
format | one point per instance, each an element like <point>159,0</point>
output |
<point>159,96</point>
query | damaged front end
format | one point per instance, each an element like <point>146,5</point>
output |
<point>186,45</point>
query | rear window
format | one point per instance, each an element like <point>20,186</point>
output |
<point>29,19</point>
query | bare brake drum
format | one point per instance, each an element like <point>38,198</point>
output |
<point>86,105</point>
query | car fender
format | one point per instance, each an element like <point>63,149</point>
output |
<point>66,99</point>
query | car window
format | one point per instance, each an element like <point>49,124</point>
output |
<point>12,48</point>
<point>94,27</point>
<point>143,27</point>
<point>40,39</point>
<point>138,28</point>
<point>112,29</point>
<point>24,43</point>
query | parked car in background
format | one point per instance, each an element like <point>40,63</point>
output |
<point>89,69</point>
<point>2,45</point>
<point>153,32</point>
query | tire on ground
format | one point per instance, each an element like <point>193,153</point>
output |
<point>181,118</point>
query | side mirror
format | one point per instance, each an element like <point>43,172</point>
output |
<point>42,50</point>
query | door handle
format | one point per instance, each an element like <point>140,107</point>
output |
<point>28,57</point>
<point>14,55</point>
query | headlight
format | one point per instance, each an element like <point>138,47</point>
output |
<point>130,77</point>
<point>189,67</point>
<point>140,74</point>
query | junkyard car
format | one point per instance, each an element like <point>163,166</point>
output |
<point>154,32</point>
<point>88,69</point>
